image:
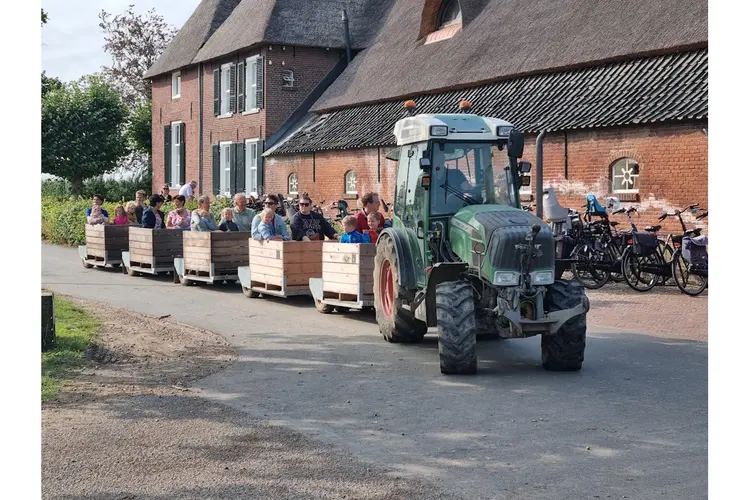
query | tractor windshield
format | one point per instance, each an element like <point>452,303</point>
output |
<point>462,175</point>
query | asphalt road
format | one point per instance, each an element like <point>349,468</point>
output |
<point>632,424</point>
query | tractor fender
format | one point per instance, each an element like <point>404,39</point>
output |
<point>406,275</point>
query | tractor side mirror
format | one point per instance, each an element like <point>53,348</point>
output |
<point>524,167</point>
<point>515,144</point>
<point>425,164</point>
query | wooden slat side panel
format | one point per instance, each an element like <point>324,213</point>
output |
<point>340,288</point>
<point>363,249</point>
<point>116,231</point>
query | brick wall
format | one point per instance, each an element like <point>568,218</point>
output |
<point>673,163</point>
<point>166,110</point>
<point>309,65</point>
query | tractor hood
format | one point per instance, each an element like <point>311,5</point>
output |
<point>486,236</point>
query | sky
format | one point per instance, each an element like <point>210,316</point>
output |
<point>72,41</point>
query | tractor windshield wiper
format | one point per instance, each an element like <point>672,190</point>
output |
<point>460,194</point>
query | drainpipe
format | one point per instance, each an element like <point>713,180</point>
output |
<point>345,18</point>
<point>200,129</point>
<point>539,173</point>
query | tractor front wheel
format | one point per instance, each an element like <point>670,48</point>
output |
<point>457,336</point>
<point>396,323</point>
<point>563,350</point>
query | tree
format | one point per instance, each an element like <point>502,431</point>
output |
<point>44,18</point>
<point>135,42</point>
<point>139,129</point>
<point>82,131</point>
<point>50,83</point>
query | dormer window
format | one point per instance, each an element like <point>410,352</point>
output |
<point>450,14</point>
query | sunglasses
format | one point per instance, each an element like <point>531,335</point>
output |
<point>304,204</point>
<point>269,203</point>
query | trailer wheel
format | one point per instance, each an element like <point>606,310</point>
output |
<point>184,281</point>
<point>323,308</point>
<point>342,310</point>
<point>250,294</point>
<point>87,265</point>
<point>396,323</point>
<point>131,271</point>
<point>457,333</point>
<point>563,350</point>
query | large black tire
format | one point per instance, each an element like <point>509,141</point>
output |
<point>563,350</point>
<point>396,323</point>
<point>457,336</point>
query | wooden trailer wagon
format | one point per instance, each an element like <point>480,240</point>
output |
<point>210,257</point>
<point>347,281</point>
<point>280,268</point>
<point>104,246</point>
<point>151,251</point>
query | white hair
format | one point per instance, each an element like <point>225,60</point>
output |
<point>238,195</point>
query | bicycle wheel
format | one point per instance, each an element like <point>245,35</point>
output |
<point>634,275</point>
<point>667,252</point>
<point>688,283</point>
<point>617,254</point>
<point>583,269</point>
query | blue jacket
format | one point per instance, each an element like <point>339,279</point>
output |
<point>354,237</point>
<point>279,228</point>
<point>149,219</point>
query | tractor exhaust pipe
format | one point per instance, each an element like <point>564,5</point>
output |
<point>347,40</point>
<point>540,173</point>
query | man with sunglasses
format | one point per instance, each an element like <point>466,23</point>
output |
<point>310,226</point>
<point>272,201</point>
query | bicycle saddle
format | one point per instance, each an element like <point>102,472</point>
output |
<point>653,229</point>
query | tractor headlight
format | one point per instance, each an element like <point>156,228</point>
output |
<point>504,131</point>
<point>439,130</point>
<point>478,247</point>
<point>542,277</point>
<point>505,278</point>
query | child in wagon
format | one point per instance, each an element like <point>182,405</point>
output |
<point>227,223</point>
<point>267,227</point>
<point>97,217</point>
<point>373,220</point>
<point>350,232</point>
<point>121,218</point>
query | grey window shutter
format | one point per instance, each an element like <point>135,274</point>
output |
<point>168,154</point>
<point>259,162</point>
<point>240,184</point>
<point>232,88</point>
<point>217,92</point>
<point>241,87</point>
<point>233,168</point>
<point>217,169</point>
<point>259,82</point>
<point>182,179</point>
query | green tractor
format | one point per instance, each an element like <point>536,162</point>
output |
<point>462,255</point>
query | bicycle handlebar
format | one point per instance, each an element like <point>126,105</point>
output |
<point>620,211</point>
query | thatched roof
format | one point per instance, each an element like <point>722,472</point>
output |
<point>670,88</point>
<point>206,18</point>
<point>313,23</point>
<point>502,39</point>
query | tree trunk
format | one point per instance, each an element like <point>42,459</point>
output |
<point>76,187</point>
<point>48,321</point>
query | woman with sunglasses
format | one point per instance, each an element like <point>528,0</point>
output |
<point>310,226</point>
<point>271,201</point>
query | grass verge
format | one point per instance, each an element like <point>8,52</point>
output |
<point>74,329</point>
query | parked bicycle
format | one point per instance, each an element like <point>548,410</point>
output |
<point>690,262</point>
<point>647,259</point>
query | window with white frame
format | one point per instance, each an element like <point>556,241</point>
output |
<point>350,182</point>
<point>251,166</point>
<point>225,167</point>
<point>176,154</point>
<point>176,84</point>
<point>625,176</point>
<point>226,89</point>
<point>251,84</point>
<point>292,184</point>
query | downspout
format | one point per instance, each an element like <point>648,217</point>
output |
<point>539,173</point>
<point>200,129</point>
<point>345,18</point>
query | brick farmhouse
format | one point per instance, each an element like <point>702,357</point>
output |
<point>285,96</point>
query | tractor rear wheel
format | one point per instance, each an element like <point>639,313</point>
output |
<point>563,350</point>
<point>457,335</point>
<point>396,323</point>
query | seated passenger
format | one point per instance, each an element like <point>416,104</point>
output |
<point>267,229</point>
<point>130,213</point>
<point>226,223</point>
<point>202,219</point>
<point>374,221</point>
<point>121,219</point>
<point>179,218</point>
<point>310,226</point>
<point>153,218</point>
<point>96,216</point>
<point>98,200</point>
<point>350,232</point>
<point>271,201</point>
